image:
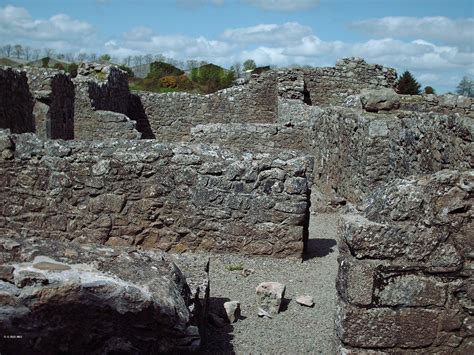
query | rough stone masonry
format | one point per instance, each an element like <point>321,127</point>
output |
<point>404,162</point>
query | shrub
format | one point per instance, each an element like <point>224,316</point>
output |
<point>161,69</point>
<point>45,62</point>
<point>429,90</point>
<point>168,82</point>
<point>72,69</point>
<point>128,70</point>
<point>183,83</point>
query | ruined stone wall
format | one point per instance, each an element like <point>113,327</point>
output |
<point>101,104</point>
<point>171,197</point>
<point>432,103</point>
<point>16,101</point>
<point>405,280</point>
<point>331,85</point>
<point>356,151</point>
<point>53,110</point>
<point>172,115</point>
<point>254,136</point>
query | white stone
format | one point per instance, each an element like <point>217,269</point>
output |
<point>269,296</point>
<point>232,309</point>
<point>305,300</point>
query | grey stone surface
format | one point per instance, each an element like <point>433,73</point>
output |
<point>269,297</point>
<point>92,299</point>
<point>374,100</point>
<point>171,197</point>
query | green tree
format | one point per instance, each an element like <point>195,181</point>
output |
<point>407,84</point>
<point>429,90</point>
<point>465,87</point>
<point>249,64</point>
<point>104,58</point>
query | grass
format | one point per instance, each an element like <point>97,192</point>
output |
<point>234,267</point>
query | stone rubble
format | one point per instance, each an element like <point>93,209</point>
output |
<point>269,297</point>
<point>232,310</point>
<point>305,300</point>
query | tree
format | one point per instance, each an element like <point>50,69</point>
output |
<point>27,52</point>
<point>138,60</point>
<point>36,53</point>
<point>7,49</point>
<point>407,85</point>
<point>48,52</point>
<point>92,57</point>
<point>104,58</point>
<point>81,57</point>
<point>429,90</point>
<point>465,87</point>
<point>148,58</point>
<point>237,69</point>
<point>249,64</point>
<point>18,50</point>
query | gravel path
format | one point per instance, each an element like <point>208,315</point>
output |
<point>296,329</point>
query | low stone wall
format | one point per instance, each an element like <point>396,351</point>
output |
<point>53,110</point>
<point>16,101</point>
<point>171,197</point>
<point>254,136</point>
<point>405,280</point>
<point>331,85</point>
<point>432,103</point>
<point>172,115</point>
<point>356,151</point>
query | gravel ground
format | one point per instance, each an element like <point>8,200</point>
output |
<point>297,329</point>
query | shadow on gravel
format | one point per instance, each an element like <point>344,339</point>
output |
<point>218,337</point>
<point>317,248</point>
<point>284,304</point>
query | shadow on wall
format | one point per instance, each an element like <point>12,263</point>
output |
<point>137,113</point>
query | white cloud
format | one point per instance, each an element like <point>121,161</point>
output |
<point>60,31</point>
<point>283,5</point>
<point>443,29</point>
<point>194,3</point>
<point>267,34</point>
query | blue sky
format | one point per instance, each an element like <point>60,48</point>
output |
<point>433,39</point>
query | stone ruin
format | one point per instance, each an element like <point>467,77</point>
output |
<point>98,183</point>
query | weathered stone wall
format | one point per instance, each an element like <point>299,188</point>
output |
<point>102,88</point>
<point>53,110</point>
<point>356,151</point>
<point>16,102</point>
<point>432,103</point>
<point>405,280</point>
<point>172,115</point>
<point>171,197</point>
<point>254,136</point>
<point>331,85</point>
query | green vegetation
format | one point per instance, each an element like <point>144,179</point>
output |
<point>249,64</point>
<point>45,62</point>
<point>164,77</point>
<point>234,267</point>
<point>128,70</point>
<point>429,90</point>
<point>407,85</point>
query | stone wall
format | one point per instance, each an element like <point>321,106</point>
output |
<point>172,115</point>
<point>405,280</point>
<point>432,103</point>
<point>16,101</point>
<point>356,151</point>
<point>262,137</point>
<point>171,197</point>
<point>331,85</point>
<point>53,110</point>
<point>102,88</point>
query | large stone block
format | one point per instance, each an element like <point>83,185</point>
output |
<point>93,298</point>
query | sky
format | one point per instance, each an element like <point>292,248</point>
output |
<point>433,39</point>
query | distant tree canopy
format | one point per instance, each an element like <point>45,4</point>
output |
<point>465,87</point>
<point>249,64</point>
<point>407,84</point>
<point>429,90</point>
<point>212,77</point>
<point>104,58</point>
